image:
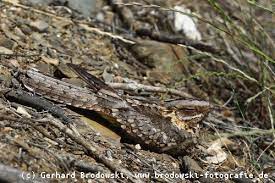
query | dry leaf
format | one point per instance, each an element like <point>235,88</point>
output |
<point>50,60</point>
<point>101,129</point>
<point>23,111</point>
<point>218,155</point>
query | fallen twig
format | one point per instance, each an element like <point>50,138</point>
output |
<point>39,103</point>
<point>248,133</point>
<point>94,152</point>
<point>19,55</point>
<point>270,112</point>
<point>137,86</point>
<point>10,174</point>
<point>91,150</point>
<point>174,39</point>
<point>262,153</point>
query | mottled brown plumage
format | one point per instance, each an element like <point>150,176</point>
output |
<point>157,126</point>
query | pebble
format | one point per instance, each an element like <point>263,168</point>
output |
<point>5,42</point>
<point>4,50</point>
<point>137,146</point>
<point>40,25</point>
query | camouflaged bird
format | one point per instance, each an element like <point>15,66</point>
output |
<point>157,126</point>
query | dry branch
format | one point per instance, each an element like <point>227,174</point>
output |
<point>91,150</point>
<point>136,86</point>
<point>10,174</point>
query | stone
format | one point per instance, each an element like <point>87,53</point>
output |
<point>138,147</point>
<point>168,61</point>
<point>4,50</point>
<point>87,8</point>
<point>39,25</point>
<point>5,42</point>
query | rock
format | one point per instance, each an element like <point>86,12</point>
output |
<point>191,165</point>
<point>168,60</point>
<point>52,61</point>
<point>14,63</point>
<point>7,130</point>
<point>65,70</point>
<point>19,32</point>
<point>23,112</point>
<point>4,50</point>
<point>38,39</point>
<point>40,2</point>
<point>9,33</point>
<point>39,25</point>
<point>108,77</point>
<point>5,42</point>
<point>44,67</point>
<point>87,8</point>
<point>137,147</point>
<point>5,76</point>
<point>105,15</point>
<point>184,23</point>
<point>26,29</point>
